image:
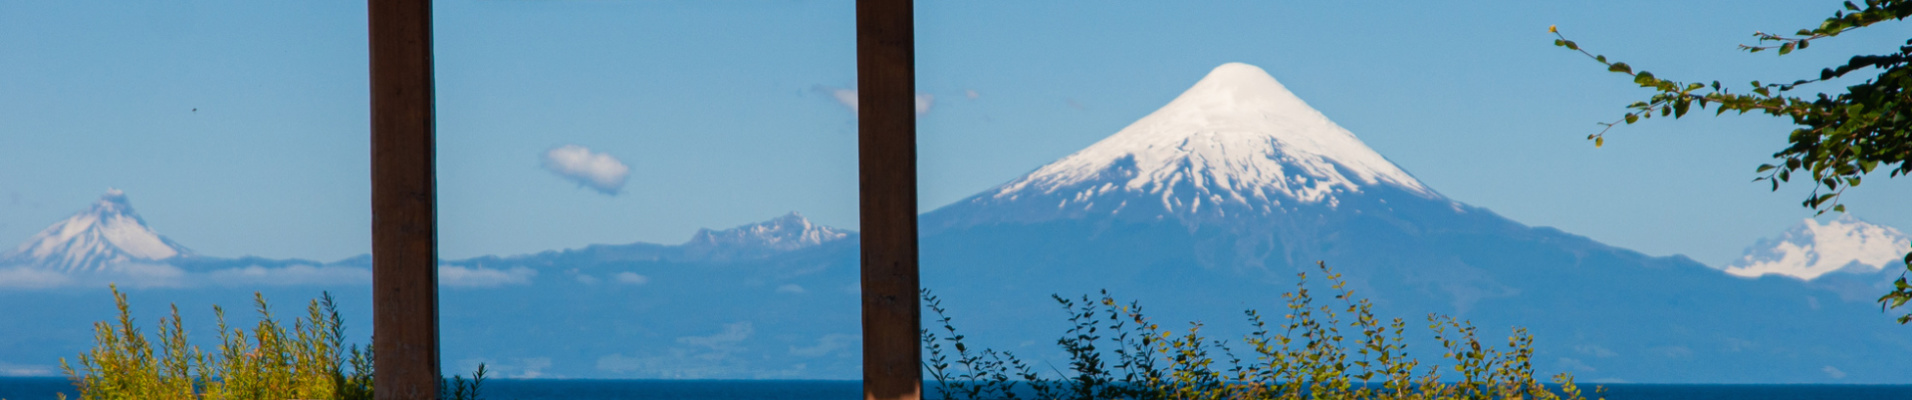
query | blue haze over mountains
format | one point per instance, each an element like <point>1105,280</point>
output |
<point>1204,208</point>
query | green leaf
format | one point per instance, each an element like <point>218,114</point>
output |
<point>1572,46</point>
<point>1764,168</point>
<point>1620,67</point>
<point>1632,117</point>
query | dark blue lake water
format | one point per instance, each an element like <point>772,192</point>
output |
<point>48,388</point>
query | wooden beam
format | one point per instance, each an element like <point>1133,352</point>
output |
<point>886,156</point>
<point>404,202</point>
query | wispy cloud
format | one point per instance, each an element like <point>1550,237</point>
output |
<point>290,275</point>
<point>595,170</point>
<point>451,275</point>
<point>827,344</point>
<point>19,370</point>
<point>847,97</point>
<point>31,278</point>
<point>727,340</point>
<point>517,368</point>
<point>695,357</point>
<point>161,275</point>
<point>632,278</point>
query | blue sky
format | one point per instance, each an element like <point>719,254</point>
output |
<point>724,112</point>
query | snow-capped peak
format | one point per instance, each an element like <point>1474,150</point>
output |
<point>789,232</point>
<point>107,234</point>
<point>1237,138</point>
<point>1811,250</point>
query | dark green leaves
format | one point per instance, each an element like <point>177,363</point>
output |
<point>1839,136</point>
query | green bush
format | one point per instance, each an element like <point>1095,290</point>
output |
<point>1116,353</point>
<point>269,362</point>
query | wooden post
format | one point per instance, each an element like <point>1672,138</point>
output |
<point>886,155</point>
<point>404,201</point>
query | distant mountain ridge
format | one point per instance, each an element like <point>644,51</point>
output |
<point>1204,208</point>
<point>788,233</point>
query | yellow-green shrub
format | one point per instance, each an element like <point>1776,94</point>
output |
<point>1116,353</point>
<point>306,361</point>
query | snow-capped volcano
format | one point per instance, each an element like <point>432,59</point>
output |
<point>95,240</point>
<point>1812,249</point>
<point>1237,142</point>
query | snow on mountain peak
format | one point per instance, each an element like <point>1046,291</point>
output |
<point>1238,137</point>
<point>94,240</point>
<point>1811,250</point>
<point>789,232</point>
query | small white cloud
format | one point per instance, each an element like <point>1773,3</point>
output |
<point>450,275</point>
<point>847,97</point>
<point>923,102</point>
<point>587,279</point>
<point>790,288</point>
<point>631,278</point>
<point>598,171</point>
<point>1835,373</point>
<point>971,94</point>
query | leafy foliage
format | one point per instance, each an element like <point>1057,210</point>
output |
<point>1840,138</point>
<point>307,361</point>
<point>1117,353</point>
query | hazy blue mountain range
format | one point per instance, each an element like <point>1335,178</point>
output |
<point>1203,208</point>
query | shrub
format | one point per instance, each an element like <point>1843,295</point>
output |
<point>1117,353</point>
<point>307,361</point>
